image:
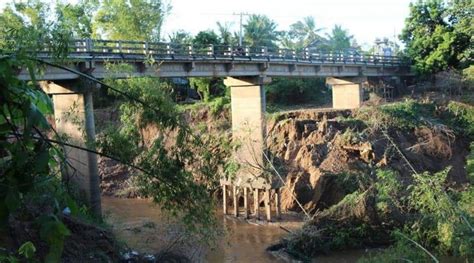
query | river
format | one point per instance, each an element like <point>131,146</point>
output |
<point>144,228</point>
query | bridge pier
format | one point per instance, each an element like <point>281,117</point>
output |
<point>74,121</point>
<point>347,93</point>
<point>248,133</point>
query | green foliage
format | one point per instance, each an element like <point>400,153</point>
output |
<point>209,88</point>
<point>130,20</point>
<point>388,187</point>
<point>219,104</point>
<point>401,115</point>
<point>461,117</point>
<point>470,163</point>
<point>29,162</point>
<point>203,86</point>
<point>205,38</point>
<point>329,234</point>
<point>180,37</point>
<point>302,34</point>
<point>438,34</point>
<point>177,168</point>
<point>27,250</point>
<point>54,232</point>
<point>260,31</point>
<point>225,35</point>
<point>339,39</point>
<point>296,90</point>
<point>401,251</point>
<point>441,221</point>
<point>77,18</point>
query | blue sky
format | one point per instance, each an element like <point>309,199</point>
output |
<point>365,19</point>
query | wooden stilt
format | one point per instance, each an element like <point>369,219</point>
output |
<point>278,203</point>
<point>267,205</point>
<point>246,202</point>
<point>236,201</point>
<point>224,199</point>
<point>256,204</point>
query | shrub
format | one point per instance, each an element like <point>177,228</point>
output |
<point>297,90</point>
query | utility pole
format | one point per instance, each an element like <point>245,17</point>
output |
<point>241,14</point>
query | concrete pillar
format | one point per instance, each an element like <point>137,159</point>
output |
<point>74,117</point>
<point>347,93</point>
<point>248,127</point>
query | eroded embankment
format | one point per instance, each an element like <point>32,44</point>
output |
<point>319,152</point>
<point>345,167</point>
<point>360,174</point>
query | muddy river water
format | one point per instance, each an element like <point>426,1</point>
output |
<point>144,228</point>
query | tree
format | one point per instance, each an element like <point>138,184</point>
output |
<point>130,20</point>
<point>25,26</point>
<point>305,32</point>
<point>260,31</point>
<point>77,18</point>
<point>461,16</point>
<point>224,34</point>
<point>16,16</point>
<point>436,35</point>
<point>180,37</point>
<point>206,38</point>
<point>339,39</point>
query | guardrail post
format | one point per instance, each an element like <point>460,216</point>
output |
<point>210,50</point>
<point>89,46</point>
<point>145,48</point>
<point>119,46</point>
<point>306,53</point>
<point>190,50</point>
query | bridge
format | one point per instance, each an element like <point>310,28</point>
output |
<point>245,69</point>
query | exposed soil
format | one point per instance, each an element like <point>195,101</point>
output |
<point>310,148</point>
<point>314,147</point>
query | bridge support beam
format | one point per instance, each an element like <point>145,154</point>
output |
<point>248,125</point>
<point>347,93</point>
<point>248,132</point>
<point>74,121</point>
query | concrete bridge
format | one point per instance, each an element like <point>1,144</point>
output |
<point>245,69</point>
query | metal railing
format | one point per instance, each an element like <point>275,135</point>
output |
<point>112,48</point>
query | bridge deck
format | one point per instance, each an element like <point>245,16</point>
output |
<point>171,60</point>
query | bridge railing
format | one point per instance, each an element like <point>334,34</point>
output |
<point>104,48</point>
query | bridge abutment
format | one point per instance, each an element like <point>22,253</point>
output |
<point>347,93</point>
<point>74,121</point>
<point>248,133</point>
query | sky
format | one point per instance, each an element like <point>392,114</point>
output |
<point>365,19</point>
